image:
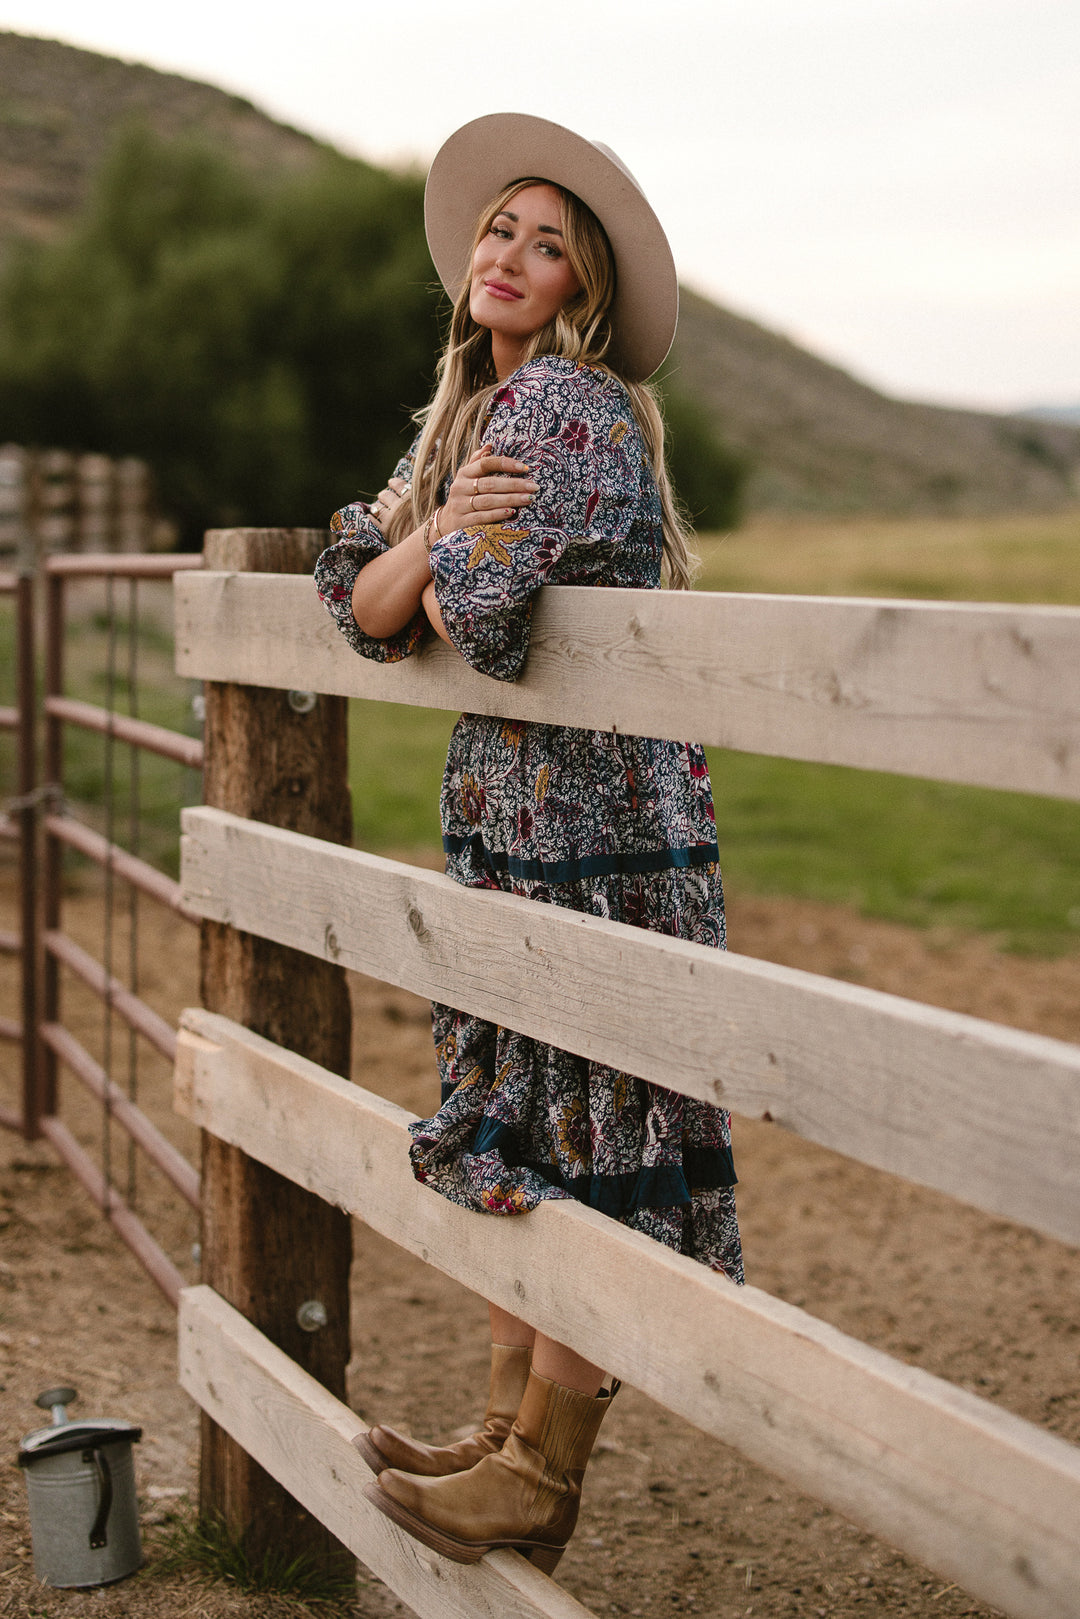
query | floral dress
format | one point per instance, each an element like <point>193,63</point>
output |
<point>615,826</point>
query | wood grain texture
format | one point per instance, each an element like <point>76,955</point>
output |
<point>964,692</point>
<point>267,1246</point>
<point>301,1435</point>
<point>972,1491</point>
<point>901,1086</point>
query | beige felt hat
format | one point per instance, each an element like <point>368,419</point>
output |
<point>483,156</point>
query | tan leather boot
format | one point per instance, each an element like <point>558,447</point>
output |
<point>525,1495</point>
<point>384,1447</point>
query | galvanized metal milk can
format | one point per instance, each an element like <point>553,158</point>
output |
<point>80,1477</point>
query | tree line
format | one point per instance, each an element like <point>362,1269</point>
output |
<point>261,346</point>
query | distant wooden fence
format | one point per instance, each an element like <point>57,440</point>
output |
<point>54,500</point>
<point>979,694</point>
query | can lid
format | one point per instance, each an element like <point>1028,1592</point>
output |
<point>64,1436</point>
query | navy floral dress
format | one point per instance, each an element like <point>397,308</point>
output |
<point>615,826</point>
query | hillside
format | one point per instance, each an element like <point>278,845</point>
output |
<point>60,109</point>
<point>816,439</point>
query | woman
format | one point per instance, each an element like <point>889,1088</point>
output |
<point>540,460</point>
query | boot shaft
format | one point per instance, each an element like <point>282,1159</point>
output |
<point>384,1447</point>
<point>558,1426</point>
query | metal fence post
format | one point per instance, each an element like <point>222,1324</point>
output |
<point>29,815</point>
<point>47,1076</point>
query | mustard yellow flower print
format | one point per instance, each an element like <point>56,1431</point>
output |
<point>446,1050</point>
<point>472,799</point>
<point>501,1077</point>
<point>491,541</point>
<point>572,1132</point>
<point>504,1200</point>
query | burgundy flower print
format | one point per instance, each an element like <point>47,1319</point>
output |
<point>575,435</point>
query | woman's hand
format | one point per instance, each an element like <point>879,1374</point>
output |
<point>386,502</point>
<point>488,489</point>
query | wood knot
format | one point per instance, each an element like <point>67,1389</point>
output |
<point>415,918</point>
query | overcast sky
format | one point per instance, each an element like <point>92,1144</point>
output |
<point>894,183</point>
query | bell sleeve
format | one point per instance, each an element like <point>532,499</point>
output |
<point>563,422</point>
<point>360,542</point>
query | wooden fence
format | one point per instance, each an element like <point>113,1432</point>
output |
<point>55,500</point>
<point>979,694</point>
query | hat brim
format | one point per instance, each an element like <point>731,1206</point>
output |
<point>472,167</point>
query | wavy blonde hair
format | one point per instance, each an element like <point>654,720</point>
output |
<point>452,423</point>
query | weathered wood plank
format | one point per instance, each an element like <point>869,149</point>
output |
<point>908,1088</point>
<point>966,692</point>
<point>301,1435</point>
<point>265,1244</point>
<point>972,1491</point>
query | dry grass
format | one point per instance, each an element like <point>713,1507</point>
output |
<point>1011,559</point>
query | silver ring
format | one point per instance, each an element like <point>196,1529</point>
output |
<point>375,508</point>
<point>405,490</point>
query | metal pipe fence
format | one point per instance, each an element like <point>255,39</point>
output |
<point>44,824</point>
<point>18,824</point>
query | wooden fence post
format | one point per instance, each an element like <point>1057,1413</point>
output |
<point>269,1247</point>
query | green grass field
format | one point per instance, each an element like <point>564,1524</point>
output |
<point>926,853</point>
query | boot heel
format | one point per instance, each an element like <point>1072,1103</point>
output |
<point>545,1558</point>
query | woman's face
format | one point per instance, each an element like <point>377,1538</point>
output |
<point>521,275</point>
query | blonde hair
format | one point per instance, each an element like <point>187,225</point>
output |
<point>452,423</point>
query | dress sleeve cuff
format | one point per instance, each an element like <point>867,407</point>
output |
<point>335,576</point>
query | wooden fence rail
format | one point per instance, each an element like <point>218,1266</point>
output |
<point>284,1418</point>
<point>902,1086</point>
<point>988,695</point>
<point>967,1488</point>
<point>975,694</point>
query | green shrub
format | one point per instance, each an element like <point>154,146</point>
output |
<point>254,346</point>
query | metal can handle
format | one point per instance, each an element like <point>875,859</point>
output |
<point>98,1535</point>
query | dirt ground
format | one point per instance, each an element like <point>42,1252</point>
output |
<point>672,1523</point>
